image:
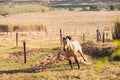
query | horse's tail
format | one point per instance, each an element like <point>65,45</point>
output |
<point>81,53</point>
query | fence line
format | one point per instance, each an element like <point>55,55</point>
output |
<point>81,34</point>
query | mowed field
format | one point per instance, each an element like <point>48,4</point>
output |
<point>63,18</point>
<point>72,23</point>
<point>82,21</point>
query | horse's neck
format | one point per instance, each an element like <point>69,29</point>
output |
<point>70,44</point>
<point>74,44</point>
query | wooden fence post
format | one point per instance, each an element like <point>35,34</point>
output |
<point>106,36</point>
<point>97,31</point>
<point>83,38</point>
<point>46,31</point>
<point>61,37</point>
<point>24,46</point>
<point>75,32</point>
<point>103,36</point>
<point>10,33</point>
<point>17,39</point>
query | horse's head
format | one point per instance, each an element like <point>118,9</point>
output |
<point>66,42</point>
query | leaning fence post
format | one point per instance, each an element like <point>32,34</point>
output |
<point>17,39</point>
<point>24,46</point>
<point>61,37</point>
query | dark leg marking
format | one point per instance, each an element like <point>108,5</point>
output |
<point>70,64</point>
<point>77,63</point>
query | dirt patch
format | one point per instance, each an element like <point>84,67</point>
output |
<point>89,48</point>
<point>48,61</point>
<point>17,55</point>
<point>97,50</point>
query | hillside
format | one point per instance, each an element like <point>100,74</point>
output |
<point>59,1</point>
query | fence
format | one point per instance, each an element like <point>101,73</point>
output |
<point>55,34</point>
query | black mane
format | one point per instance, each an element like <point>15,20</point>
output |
<point>69,37</point>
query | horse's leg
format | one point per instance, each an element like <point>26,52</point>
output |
<point>81,53</point>
<point>70,62</point>
<point>76,60</point>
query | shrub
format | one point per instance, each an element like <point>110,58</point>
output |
<point>97,50</point>
<point>3,28</point>
<point>4,13</point>
<point>94,7</point>
<point>116,30</point>
<point>111,7</point>
<point>71,9</point>
<point>85,9</point>
<point>119,8</point>
<point>43,10</point>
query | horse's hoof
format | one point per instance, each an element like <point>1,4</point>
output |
<point>78,67</point>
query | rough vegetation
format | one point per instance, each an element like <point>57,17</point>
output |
<point>100,50</point>
<point>49,61</point>
<point>22,27</point>
<point>54,65</point>
<point>116,30</point>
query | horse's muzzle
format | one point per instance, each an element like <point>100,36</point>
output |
<point>64,49</point>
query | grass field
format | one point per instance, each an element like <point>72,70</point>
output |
<point>13,9</point>
<point>65,19</point>
<point>13,68</point>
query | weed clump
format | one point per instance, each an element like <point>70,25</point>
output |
<point>116,30</point>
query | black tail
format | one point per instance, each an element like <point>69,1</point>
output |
<point>82,55</point>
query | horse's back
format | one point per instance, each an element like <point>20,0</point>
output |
<point>76,47</point>
<point>76,43</point>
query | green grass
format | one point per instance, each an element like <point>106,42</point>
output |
<point>13,63</point>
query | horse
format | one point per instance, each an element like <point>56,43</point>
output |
<point>72,48</point>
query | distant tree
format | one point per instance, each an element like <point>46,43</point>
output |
<point>119,8</point>
<point>43,10</point>
<point>94,7</point>
<point>111,7</point>
<point>85,9</point>
<point>71,9</point>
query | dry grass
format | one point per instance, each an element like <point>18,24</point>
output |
<point>84,22</point>
<point>69,21</point>
<point>15,69</point>
<point>65,18</point>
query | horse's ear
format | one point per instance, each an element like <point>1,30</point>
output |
<point>69,37</point>
<point>64,38</point>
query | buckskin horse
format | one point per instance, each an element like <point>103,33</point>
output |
<point>72,48</point>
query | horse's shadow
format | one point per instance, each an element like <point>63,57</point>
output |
<point>34,70</point>
<point>28,70</point>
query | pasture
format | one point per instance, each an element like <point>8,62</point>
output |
<point>39,45</point>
